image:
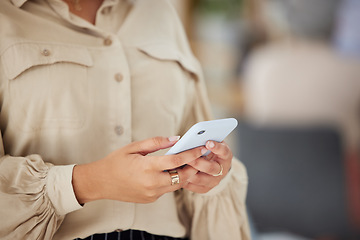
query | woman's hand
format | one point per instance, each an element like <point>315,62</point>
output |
<point>130,175</point>
<point>218,161</point>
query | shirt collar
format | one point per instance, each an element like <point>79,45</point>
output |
<point>18,3</point>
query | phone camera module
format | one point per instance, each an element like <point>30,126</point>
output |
<point>201,132</point>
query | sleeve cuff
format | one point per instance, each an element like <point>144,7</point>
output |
<point>60,190</point>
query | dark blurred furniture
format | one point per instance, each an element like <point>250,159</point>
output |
<point>296,180</point>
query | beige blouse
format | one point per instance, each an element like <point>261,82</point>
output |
<point>72,92</point>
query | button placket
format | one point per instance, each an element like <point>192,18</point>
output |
<point>119,88</point>
<point>119,130</point>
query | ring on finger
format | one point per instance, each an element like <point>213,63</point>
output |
<point>174,177</point>
<point>220,172</point>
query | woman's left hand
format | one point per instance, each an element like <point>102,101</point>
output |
<point>211,168</point>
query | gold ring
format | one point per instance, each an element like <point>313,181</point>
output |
<point>174,177</point>
<point>220,172</point>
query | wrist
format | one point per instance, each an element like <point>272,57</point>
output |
<point>84,183</point>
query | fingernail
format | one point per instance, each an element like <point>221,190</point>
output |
<point>174,138</point>
<point>210,144</point>
<point>203,151</point>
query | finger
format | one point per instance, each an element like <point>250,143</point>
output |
<point>205,180</point>
<point>184,175</point>
<point>210,156</point>
<point>175,161</point>
<point>204,165</point>
<point>152,144</point>
<point>158,184</point>
<point>221,149</point>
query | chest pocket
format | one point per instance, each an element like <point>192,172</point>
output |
<point>47,85</point>
<point>169,53</point>
<point>163,79</point>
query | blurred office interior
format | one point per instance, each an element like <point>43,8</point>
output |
<point>289,71</point>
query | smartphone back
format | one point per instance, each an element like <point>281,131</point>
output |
<point>201,132</point>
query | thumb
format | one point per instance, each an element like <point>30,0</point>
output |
<point>152,144</point>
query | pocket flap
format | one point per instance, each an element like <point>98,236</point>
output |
<point>22,56</point>
<point>165,52</point>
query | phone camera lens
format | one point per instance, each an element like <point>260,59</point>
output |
<point>201,132</point>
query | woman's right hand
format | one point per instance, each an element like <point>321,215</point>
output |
<point>130,175</point>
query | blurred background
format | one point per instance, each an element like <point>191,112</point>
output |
<point>289,71</point>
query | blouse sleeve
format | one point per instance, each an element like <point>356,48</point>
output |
<point>34,197</point>
<point>220,213</point>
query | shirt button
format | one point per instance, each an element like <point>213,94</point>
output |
<point>107,41</point>
<point>119,77</point>
<point>119,130</point>
<point>45,52</point>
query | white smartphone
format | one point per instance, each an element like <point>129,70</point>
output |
<point>201,132</point>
